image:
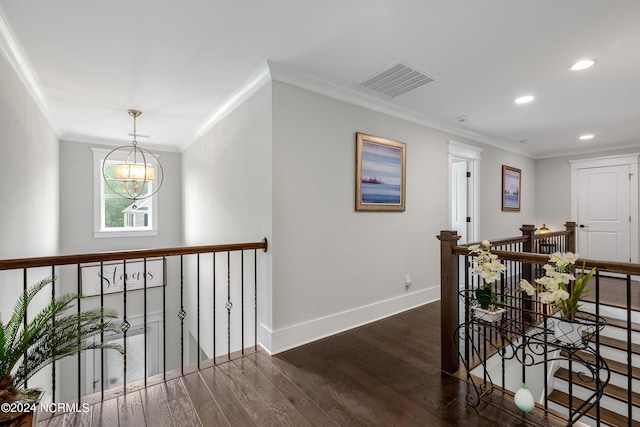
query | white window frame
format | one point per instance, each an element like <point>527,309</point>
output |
<point>99,231</point>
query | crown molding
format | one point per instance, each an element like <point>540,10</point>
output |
<point>259,78</point>
<point>311,83</point>
<point>85,139</point>
<point>588,150</point>
<point>15,55</point>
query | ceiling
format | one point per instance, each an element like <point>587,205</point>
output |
<point>179,62</point>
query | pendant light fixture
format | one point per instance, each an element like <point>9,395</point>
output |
<point>134,169</point>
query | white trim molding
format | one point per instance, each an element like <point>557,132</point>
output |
<point>277,341</point>
<point>15,55</point>
<point>311,83</point>
<point>259,78</point>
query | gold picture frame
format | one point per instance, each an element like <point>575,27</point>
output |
<point>380,174</point>
<point>511,186</point>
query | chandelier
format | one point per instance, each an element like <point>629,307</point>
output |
<point>134,172</point>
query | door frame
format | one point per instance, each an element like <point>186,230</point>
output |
<point>632,161</point>
<point>472,155</point>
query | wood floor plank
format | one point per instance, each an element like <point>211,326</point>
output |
<point>231,407</point>
<point>207,408</point>
<point>155,406</point>
<point>257,409</point>
<point>310,372</point>
<point>386,373</point>
<point>55,421</point>
<point>130,410</point>
<point>105,414</point>
<point>282,408</point>
<point>303,403</point>
<point>182,410</point>
<point>78,419</point>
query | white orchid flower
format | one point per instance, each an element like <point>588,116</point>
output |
<point>560,295</point>
<point>489,276</point>
<point>570,257</point>
<point>527,287</point>
<point>546,298</point>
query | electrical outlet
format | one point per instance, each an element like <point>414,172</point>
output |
<point>407,281</point>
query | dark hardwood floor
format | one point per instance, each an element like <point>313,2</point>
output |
<point>386,373</point>
<point>613,292</point>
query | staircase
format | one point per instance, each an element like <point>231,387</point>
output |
<point>614,404</point>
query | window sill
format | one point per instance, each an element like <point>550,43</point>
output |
<point>105,234</point>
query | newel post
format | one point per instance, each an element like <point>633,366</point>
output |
<point>449,301</point>
<point>570,226</point>
<point>528,231</point>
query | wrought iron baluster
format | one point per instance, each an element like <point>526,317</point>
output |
<point>182,314</point>
<point>125,327</point>
<point>214,307</point>
<point>144,278</point>
<point>164,318</point>
<point>242,299</point>
<point>255,299</point>
<point>198,306</point>
<point>53,323</point>
<point>229,305</point>
<point>24,319</point>
<point>79,289</point>
<point>102,331</point>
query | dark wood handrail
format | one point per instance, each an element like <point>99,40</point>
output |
<point>532,258</point>
<point>540,236</point>
<point>503,241</point>
<point>11,264</point>
<point>522,239</point>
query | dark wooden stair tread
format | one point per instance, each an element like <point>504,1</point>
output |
<point>614,366</point>
<point>619,323</point>
<point>606,416</point>
<point>615,343</point>
<point>610,390</point>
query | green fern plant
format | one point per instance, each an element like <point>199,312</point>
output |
<point>52,334</point>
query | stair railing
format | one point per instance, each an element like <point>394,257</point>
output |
<point>532,250</point>
<point>201,302</point>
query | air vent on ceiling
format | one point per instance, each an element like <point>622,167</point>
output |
<point>395,79</point>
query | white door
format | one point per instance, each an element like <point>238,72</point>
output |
<point>604,213</point>
<point>459,200</point>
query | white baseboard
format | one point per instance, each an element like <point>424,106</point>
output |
<point>293,336</point>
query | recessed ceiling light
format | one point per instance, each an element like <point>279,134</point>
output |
<point>586,137</point>
<point>583,64</point>
<point>525,99</point>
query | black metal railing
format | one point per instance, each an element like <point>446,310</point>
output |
<point>524,332</point>
<point>164,298</point>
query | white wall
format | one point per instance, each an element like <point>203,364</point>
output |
<point>335,268</point>
<point>77,201</point>
<point>553,187</point>
<point>28,173</point>
<point>29,190</point>
<point>494,223</point>
<point>227,199</point>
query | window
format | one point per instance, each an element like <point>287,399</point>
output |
<point>115,216</point>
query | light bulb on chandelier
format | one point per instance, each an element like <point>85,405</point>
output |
<point>132,178</point>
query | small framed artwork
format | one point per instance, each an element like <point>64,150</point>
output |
<point>511,178</point>
<point>380,174</point>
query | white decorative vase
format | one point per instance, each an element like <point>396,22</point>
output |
<point>490,316</point>
<point>524,399</point>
